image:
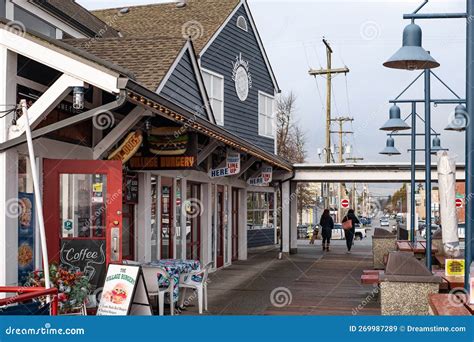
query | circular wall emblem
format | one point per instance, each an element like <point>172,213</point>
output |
<point>242,83</point>
<point>242,78</point>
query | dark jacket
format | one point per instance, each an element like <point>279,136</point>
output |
<point>352,217</point>
<point>326,222</point>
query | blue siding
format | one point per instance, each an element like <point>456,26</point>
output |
<point>260,237</point>
<point>240,117</point>
<point>182,87</point>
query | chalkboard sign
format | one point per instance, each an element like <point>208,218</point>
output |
<point>130,189</point>
<point>86,256</point>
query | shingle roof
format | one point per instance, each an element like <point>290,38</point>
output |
<point>77,16</point>
<point>199,19</point>
<point>148,59</point>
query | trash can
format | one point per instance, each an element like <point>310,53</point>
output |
<point>406,285</point>
<point>383,242</point>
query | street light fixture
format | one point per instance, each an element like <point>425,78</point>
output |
<point>436,147</point>
<point>390,149</point>
<point>395,122</point>
<point>459,121</point>
<point>411,56</point>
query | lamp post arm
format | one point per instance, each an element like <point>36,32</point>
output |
<point>442,82</point>
<point>408,87</point>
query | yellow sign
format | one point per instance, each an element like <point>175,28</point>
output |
<point>128,148</point>
<point>97,187</point>
<point>454,267</point>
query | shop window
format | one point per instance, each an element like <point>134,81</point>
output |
<point>154,217</point>
<point>260,210</point>
<point>214,84</point>
<point>266,115</point>
<point>2,8</point>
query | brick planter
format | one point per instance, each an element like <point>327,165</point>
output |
<point>383,242</point>
<point>406,285</point>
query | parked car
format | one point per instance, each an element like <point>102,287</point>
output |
<point>434,228</point>
<point>338,232</point>
<point>366,221</point>
<point>384,222</point>
<point>360,232</point>
<point>302,231</point>
<point>461,231</point>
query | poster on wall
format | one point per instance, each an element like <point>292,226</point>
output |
<point>124,292</point>
<point>26,235</point>
<point>264,178</point>
<point>166,148</point>
<point>130,187</point>
<point>86,256</point>
<point>232,166</point>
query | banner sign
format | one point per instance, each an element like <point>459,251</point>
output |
<point>265,177</point>
<point>85,256</point>
<point>128,148</point>
<point>26,235</point>
<point>231,168</point>
<point>124,292</point>
<point>454,267</point>
<point>167,148</point>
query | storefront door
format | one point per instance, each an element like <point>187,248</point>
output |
<point>82,202</point>
<point>220,226</point>
<point>193,221</point>
<point>235,224</point>
<point>167,233</point>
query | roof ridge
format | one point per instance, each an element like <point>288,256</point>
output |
<point>136,6</point>
<point>128,37</point>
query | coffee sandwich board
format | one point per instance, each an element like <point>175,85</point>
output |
<point>124,292</point>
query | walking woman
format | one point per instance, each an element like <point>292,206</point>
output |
<point>327,224</point>
<point>349,233</point>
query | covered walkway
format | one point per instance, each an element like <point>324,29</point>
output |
<point>310,282</point>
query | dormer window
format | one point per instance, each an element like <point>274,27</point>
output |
<point>242,23</point>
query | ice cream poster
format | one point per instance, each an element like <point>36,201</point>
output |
<point>26,235</point>
<point>123,286</point>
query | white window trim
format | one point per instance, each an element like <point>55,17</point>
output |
<point>246,28</point>
<point>215,74</point>
<point>273,114</point>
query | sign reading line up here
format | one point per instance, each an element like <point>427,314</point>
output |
<point>232,166</point>
<point>265,177</point>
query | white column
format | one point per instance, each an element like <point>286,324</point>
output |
<point>143,229</point>
<point>228,233</point>
<point>293,219</point>
<point>206,223</point>
<point>174,222</point>
<point>8,177</point>
<point>242,224</point>
<point>285,216</point>
<point>182,223</point>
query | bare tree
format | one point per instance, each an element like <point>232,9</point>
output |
<point>291,143</point>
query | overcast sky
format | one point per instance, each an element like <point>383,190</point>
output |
<point>363,35</point>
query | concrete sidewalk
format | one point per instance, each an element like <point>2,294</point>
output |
<point>308,283</point>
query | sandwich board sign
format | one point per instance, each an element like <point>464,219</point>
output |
<point>124,292</point>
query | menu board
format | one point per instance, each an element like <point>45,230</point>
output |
<point>26,235</point>
<point>131,189</point>
<point>124,292</point>
<point>85,256</point>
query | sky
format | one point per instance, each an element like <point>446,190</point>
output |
<point>363,34</point>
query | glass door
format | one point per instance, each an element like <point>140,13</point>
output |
<point>167,218</point>
<point>193,221</point>
<point>82,202</point>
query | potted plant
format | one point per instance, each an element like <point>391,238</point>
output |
<point>73,288</point>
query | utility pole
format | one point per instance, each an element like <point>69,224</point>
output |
<point>354,193</point>
<point>341,133</point>
<point>328,72</point>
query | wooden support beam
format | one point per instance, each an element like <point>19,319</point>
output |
<point>46,102</point>
<point>247,165</point>
<point>315,72</point>
<point>119,131</point>
<point>207,151</point>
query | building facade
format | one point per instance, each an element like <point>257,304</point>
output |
<point>149,146</point>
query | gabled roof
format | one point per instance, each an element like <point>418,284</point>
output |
<point>77,16</point>
<point>199,19</point>
<point>148,59</point>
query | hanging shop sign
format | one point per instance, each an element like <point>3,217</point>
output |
<point>167,148</point>
<point>26,235</point>
<point>86,256</point>
<point>128,148</point>
<point>241,77</point>
<point>454,267</point>
<point>232,166</point>
<point>264,178</point>
<point>124,292</point>
<point>130,187</point>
